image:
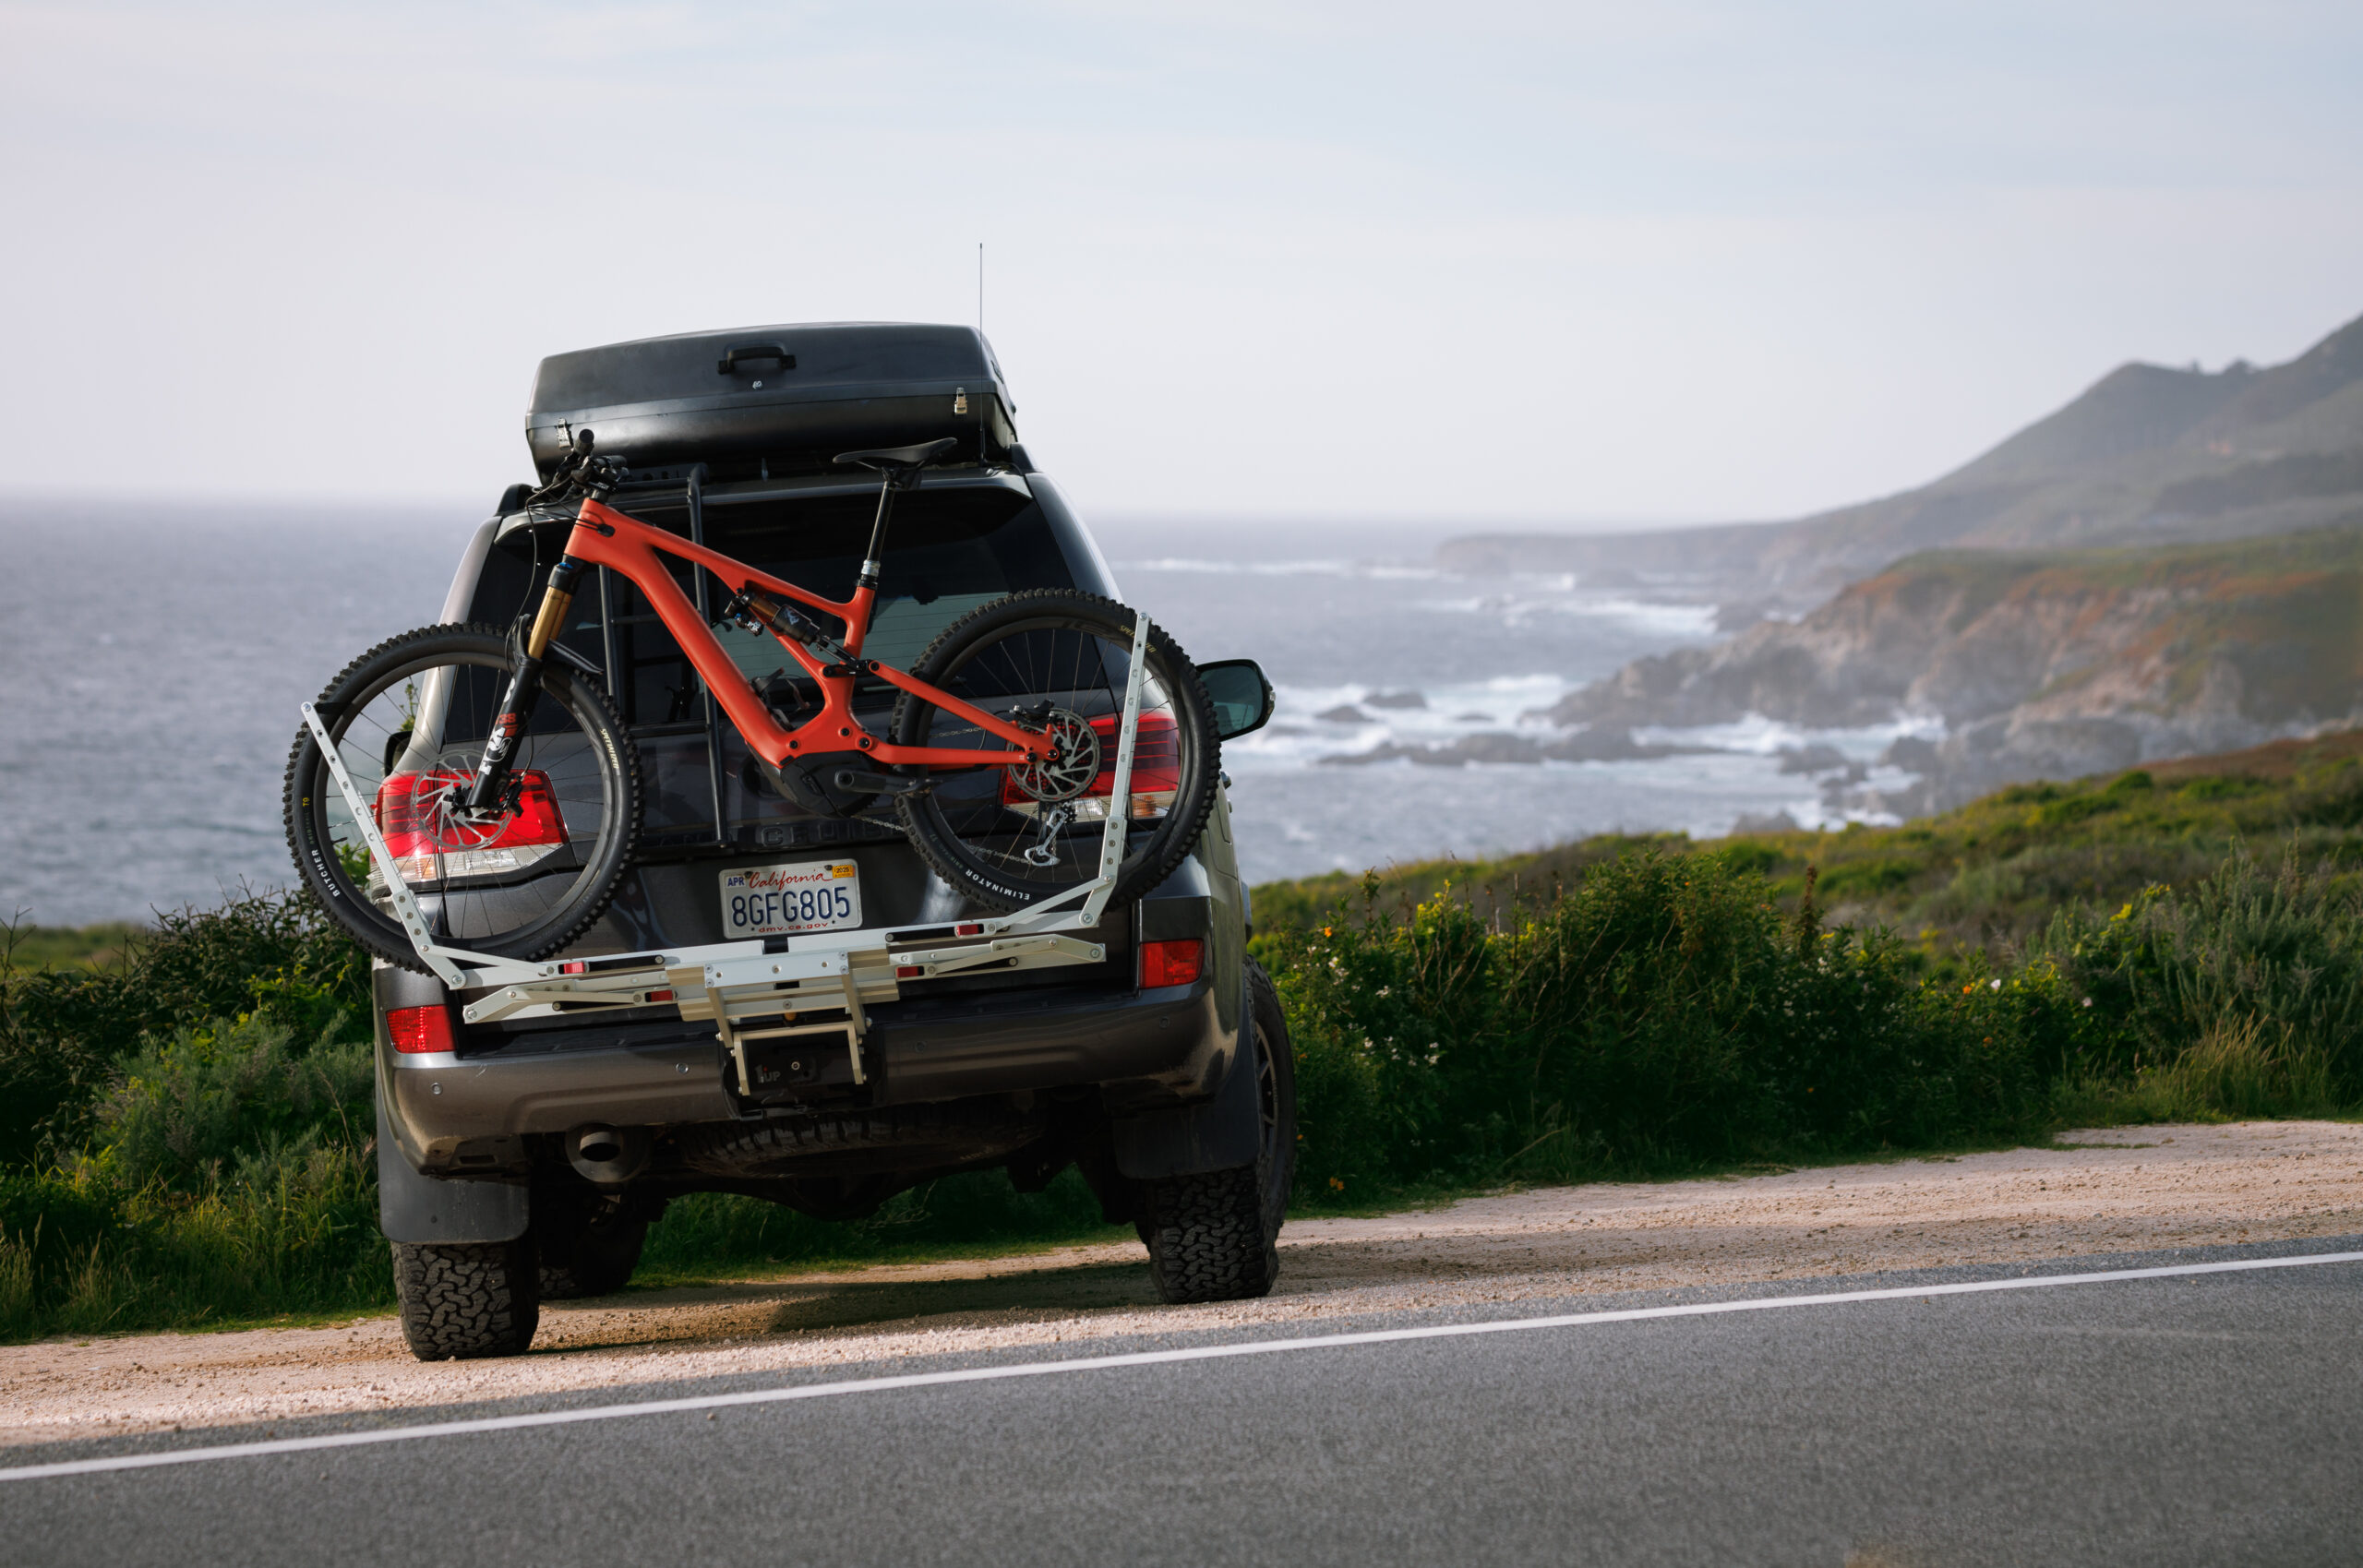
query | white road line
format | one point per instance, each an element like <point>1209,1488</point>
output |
<point>1137,1358</point>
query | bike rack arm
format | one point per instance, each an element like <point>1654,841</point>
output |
<point>1095,894</point>
<point>700,974</point>
<point>406,906</point>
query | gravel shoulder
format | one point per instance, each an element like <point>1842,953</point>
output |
<point>2112,1191</point>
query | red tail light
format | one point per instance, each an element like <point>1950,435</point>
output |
<point>429,842</point>
<point>417,1030</point>
<point>1157,771</point>
<point>1176,963</point>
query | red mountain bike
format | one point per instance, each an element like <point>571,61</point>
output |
<point>508,793</point>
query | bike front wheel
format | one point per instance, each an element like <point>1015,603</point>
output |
<point>1057,660</point>
<point>408,719</point>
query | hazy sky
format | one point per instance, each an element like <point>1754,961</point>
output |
<point>1460,261</point>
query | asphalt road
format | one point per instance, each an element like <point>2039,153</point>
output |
<point>2208,1419</point>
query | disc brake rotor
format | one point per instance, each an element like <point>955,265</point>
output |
<point>1071,767</point>
<point>434,812</point>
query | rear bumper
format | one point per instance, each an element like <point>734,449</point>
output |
<point>460,1112</point>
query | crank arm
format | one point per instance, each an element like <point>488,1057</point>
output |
<point>868,782</point>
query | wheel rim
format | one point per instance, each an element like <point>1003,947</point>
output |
<point>1043,825</point>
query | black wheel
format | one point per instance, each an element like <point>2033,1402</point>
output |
<point>463,1300</point>
<point>1057,660</point>
<point>585,1249</point>
<point>1216,1237</point>
<point>409,719</point>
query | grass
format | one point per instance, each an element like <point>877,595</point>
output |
<point>1988,876</point>
<point>108,945</point>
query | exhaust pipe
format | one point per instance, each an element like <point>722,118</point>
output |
<point>608,1155</point>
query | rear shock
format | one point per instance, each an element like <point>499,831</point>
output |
<point>485,789</point>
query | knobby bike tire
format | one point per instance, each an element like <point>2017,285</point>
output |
<point>1152,851</point>
<point>309,788</point>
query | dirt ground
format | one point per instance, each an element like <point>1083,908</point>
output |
<point>2113,1191</point>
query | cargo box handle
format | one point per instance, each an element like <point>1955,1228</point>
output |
<point>731,356</point>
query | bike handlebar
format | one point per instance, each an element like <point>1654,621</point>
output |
<point>572,470</point>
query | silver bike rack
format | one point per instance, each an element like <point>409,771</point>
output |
<point>817,984</point>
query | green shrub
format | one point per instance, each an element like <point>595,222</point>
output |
<point>229,1097</point>
<point>186,1135</point>
<point>64,1031</point>
<point>80,1251</point>
<point>2270,956</point>
<point>1662,1014</point>
<point>1883,874</point>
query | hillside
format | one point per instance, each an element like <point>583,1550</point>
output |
<point>2045,665</point>
<point>2147,455</point>
<point>1993,871</point>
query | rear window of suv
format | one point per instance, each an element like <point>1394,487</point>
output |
<point>949,548</point>
<point>948,551</point>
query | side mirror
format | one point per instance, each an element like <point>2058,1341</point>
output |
<point>1243,697</point>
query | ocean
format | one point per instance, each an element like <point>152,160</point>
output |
<point>1362,615</point>
<point>151,658</point>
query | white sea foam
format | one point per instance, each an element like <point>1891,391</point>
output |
<point>1688,622</point>
<point>1765,738</point>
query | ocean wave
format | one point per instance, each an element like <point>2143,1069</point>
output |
<point>1658,618</point>
<point>1314,723</point>
<point>1763,736</point>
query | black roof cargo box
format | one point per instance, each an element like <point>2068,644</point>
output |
<point>772,401</point>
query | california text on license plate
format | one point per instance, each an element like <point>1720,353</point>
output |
<point>773,901</point>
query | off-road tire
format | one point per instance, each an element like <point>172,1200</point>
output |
<point>581,1253</point>
<point>1206,1240</point>
<point>308,783</point>
<point>462,1300</point>
<point>1216,1237</point>
<point>1151,852</point>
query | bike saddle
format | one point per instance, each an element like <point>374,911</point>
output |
<point>901,460</point>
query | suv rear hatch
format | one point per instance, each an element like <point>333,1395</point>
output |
<point>725,856</point>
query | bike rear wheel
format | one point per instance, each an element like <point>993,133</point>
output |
<point>408,719</point>
<point>1058,659</point>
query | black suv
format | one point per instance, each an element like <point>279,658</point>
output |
<point>524,1160</point>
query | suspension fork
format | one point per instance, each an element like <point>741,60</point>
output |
<point>524,689</point>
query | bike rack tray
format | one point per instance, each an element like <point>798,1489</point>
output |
<point>775,987</point>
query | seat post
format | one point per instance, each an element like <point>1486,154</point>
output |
<point>870,568</point>
<point>900,466</point>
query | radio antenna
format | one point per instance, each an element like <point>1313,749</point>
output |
<point>981,288</point>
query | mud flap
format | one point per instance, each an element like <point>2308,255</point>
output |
<point>1222,1134</point>
<point>412,1207</point>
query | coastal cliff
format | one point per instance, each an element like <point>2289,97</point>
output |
<point>2040,664</point>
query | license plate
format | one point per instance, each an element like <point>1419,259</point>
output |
<point>778,901</point>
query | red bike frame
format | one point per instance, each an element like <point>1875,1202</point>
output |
<point>604,536</point>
